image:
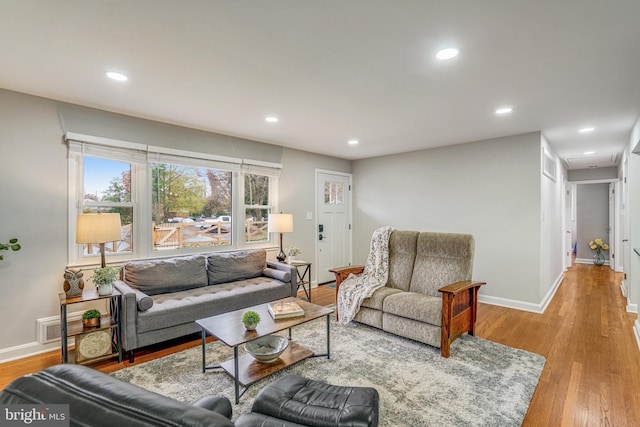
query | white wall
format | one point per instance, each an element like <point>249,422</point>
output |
<point>298,197</point>
<point>33,208</point>
<point>490,188</point>
<point>552,229</point>
<point>633,275</point>
<point>33,197</point>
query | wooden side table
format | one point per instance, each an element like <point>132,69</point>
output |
<point>304,278</point>
<point>98,343</point>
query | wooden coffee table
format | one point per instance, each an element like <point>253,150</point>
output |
<point>245,370</point>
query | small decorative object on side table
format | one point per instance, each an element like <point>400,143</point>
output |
<point>103,278</point>
<point>73,282</point>
<point>91,318</point>
<point>304,277</point>
<point>91,343</point>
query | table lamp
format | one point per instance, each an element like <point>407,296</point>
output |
<point>98,228</point>
<point>280,223</point>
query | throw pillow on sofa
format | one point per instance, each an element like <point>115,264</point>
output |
<point>225,267</point>
<point>162,276</point>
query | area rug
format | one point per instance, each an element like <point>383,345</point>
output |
<point>481,384</point>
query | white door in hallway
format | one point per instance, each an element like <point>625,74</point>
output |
<point>333,225</point>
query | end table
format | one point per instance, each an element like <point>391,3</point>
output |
<point>304,277</point>
<point>104,341</point>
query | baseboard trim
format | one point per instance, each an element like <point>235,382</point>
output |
<point>26,350</point>
<point>632,308</point>
<point>588,261</point>
<point>523,305</point>
<point>636,331</point>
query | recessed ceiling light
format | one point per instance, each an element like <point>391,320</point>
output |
<point>353,142</point>
<point>114,75</point>
<point>586,153</point>
<point>584,130</point>
<point>448,53</point>
<point>271,119</point>
<point>504,110</point>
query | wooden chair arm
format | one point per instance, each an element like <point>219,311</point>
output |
<point>459,310</point>
<point>456,288</point>
<point>346,270</point>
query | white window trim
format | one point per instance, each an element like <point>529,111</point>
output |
<point>140,156</point>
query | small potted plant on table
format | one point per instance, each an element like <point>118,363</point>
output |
<point>104,277</point>
<point>250,320</point>
<point>91,318</point>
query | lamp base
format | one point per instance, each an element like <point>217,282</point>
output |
<point>281,255</point>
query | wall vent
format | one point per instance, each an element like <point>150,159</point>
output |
<point>49,327</point>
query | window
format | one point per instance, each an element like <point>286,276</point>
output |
<point>190,207</point>
<point>333,193</point>
<point>256,207</point>
<point>106,186</point>
<point>170,201</point>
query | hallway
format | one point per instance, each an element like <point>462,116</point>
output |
<point>592,374</point>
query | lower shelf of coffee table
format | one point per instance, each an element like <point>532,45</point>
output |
<point>250,370</point>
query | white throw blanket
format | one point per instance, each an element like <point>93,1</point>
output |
<point>354,289</point>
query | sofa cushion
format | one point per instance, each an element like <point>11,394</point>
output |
<point>376,300</point>
<point>224,267</point>
<point>441,259</point>
<point>402,255</point>
<point>160,276</point>
<point>411,305</point>
<point>185,307</point>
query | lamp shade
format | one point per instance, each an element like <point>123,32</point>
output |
<point>98,228</point>
<point>280,223</point>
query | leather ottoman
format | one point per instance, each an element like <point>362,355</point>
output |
<point>313,403</point>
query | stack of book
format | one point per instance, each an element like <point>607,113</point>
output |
<point>282,310</point>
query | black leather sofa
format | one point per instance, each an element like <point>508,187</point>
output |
<point>99,400</point>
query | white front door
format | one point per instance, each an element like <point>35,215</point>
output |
<point>333,226</point>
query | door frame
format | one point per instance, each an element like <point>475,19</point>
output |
<point>319,171</point>
<point>614,246</point>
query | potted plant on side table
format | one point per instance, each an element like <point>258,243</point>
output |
<point>104,277</point>
<point>91,318</point>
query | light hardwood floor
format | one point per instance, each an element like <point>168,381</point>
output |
<point>592,374</point>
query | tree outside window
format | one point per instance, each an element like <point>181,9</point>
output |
<point>256,201</point>
<point>190,207</point>
<point>107,188</point>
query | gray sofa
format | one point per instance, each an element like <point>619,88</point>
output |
<point>429,295</point>
<point>162,298</point>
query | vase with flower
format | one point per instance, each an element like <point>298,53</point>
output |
<point>598,246</point>
<point>293,252</point>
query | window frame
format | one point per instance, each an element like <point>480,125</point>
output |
<point>141,157</point>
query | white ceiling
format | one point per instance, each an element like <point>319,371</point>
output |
<point>335,70</point>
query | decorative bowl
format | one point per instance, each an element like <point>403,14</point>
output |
<point>267,349</point>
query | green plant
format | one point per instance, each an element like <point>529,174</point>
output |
<point>250,318</point>
<point>91,314</point>
<point>12,245</point>
<point>105,275</point>
<point>293,251</point>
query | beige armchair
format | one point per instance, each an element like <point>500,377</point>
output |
<point>429,295</point>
